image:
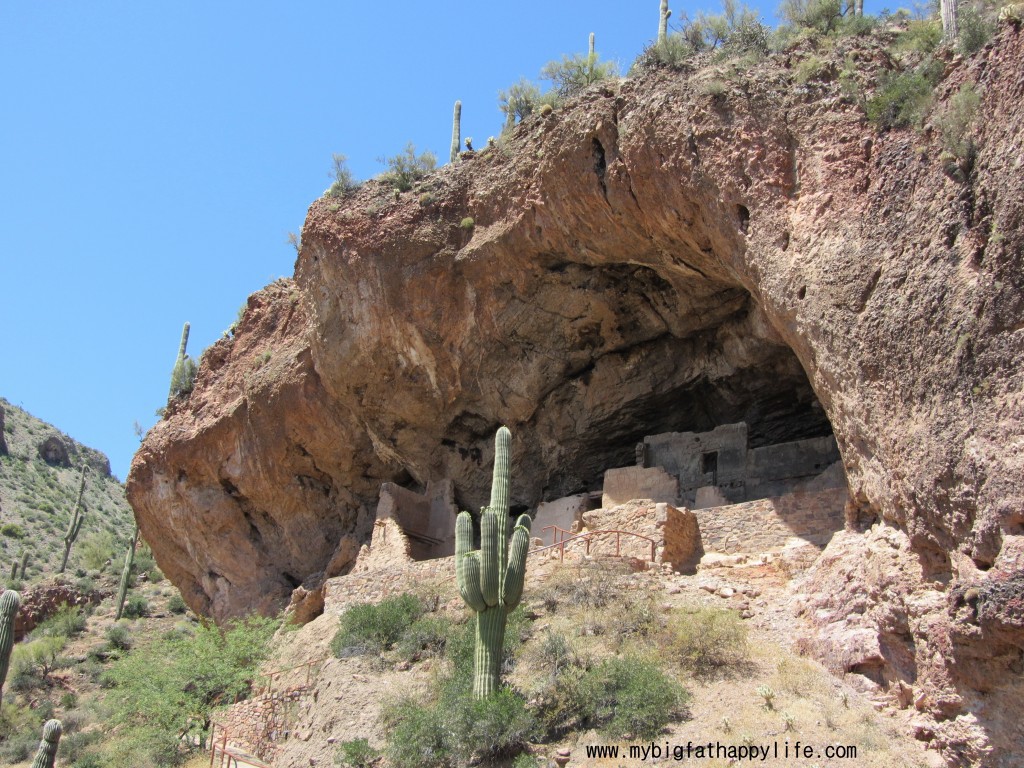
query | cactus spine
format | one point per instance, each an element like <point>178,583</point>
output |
<point>129,560</point>
<point>75,524</point>
<point>456,131</point>
<point>491,579</point>
<point>663,21</point>
<point>10,602</point>
<point>48,746</point>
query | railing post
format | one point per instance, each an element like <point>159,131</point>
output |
<point>213,744</point>
<point>618,538</point>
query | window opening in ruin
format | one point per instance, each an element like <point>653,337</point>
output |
<point>709,465</point>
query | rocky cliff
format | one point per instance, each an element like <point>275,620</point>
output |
<point>657,256</point>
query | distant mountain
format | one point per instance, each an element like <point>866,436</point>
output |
<point>40,470</point>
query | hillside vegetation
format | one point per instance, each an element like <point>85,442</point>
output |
<point>39,480</point>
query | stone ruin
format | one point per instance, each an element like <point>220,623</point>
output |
<point>743,499</point>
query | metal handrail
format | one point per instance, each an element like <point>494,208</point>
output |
<point>586,536</point>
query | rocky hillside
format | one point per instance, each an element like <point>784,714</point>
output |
<point>680,249</point>
<point>40,473</point>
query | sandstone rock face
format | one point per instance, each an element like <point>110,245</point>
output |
<point>651,259</point>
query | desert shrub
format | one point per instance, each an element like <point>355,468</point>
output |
<point>921,36</point>
<point>95,551</point>
<point>356,753</point>
<point>12,531</point>
<point>416,736</point>
<point>634,697</point>
<point>467,223</point>
<point>671,53</point>
<point>574,73</point>
<point>344,181</point>
<point>955,123</point>
<point>162,689</point>
<point>903,98</point>
<point>811,68</point>
<point>976,28</point>
<point>374,628</point>
<point>407,167</point>
<point>519,102</point>
<point>32,662</point>
<point>457,729</point>
<point>857,26</point>
<point>706,640</point>
<point>176,604</point>
<point>821,15</point>
<point>67,622</point>
<point>135,607</point>
<point>183,376</point>
<point>426,636</point>
<point>623,695</point>
<point>119,636</point>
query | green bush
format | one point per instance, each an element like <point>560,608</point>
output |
<point>705,640</point>
<point>165,688</point>
<point>574,73</point>
<point>635,698</point>
<point>457,729</point>
<point>417,737</point>
<point>176,604</point>
<point>623,696</point>
<point>903,98</point>
<point>954,125</point>
<point>519,102</point>
<point>671,53</point>
<point>356,753</point>
<point>344,182</point>
<point>407,167</point>
<point>135,607</point>
<point>67,622</point>
<point>374,628</point>
<point>922,36</point>
<point>976,28</point>
<point>425,637</point>
<point>12,530</point>
<point>95,551</point>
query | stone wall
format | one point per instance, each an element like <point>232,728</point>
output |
<point>765,524</point>
<point>718,458</point>
<point>428,518</point>
<point>716,468</point>
<point>627,483</point>
<point>561,512</point>
<point>259,724</point>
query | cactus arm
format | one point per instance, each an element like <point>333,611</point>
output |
<point>467,574</point>
<point>663,21</point>
<point>48,746</point>
<point>490,567</point>
<point>463,535</point>
<point>516,575</point>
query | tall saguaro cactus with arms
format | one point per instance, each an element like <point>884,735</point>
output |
<point>491,578</point>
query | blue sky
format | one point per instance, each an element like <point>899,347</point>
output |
<point>154,157</point>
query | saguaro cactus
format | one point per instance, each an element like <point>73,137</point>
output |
<point>129,560</point>
<point>184,369</point>
<point>663,21</point>
<point>456,131</point>
<point>491,578</point>
<point>10,602</point>
<point>48,746</point>
<point>75,523</point>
